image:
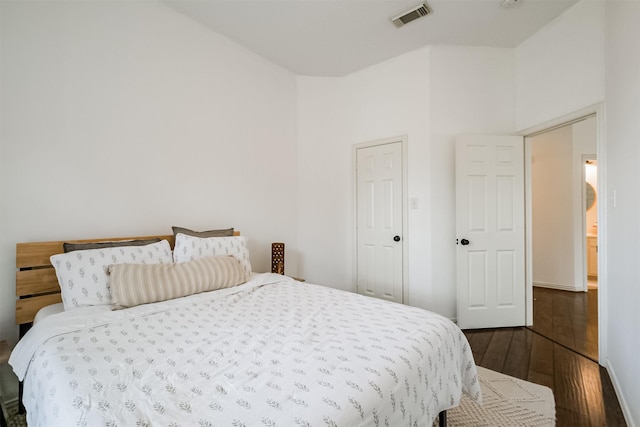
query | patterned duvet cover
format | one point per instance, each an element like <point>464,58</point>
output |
<point>271,352</point>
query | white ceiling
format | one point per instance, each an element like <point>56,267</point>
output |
<point>337,37</point>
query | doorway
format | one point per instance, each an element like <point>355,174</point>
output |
<point>563,233</point>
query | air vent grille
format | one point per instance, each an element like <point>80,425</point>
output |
<point>412,14</point>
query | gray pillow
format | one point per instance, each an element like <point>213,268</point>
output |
<point>210,233</point>
<point>69,247</point>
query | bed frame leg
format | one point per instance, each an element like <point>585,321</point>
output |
<point>442,419</point>
<point>21,409</point>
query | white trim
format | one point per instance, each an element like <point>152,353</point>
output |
<point>560,286</point>
<point>528,235</point>
<point>579,228</point>
<point>601,153</point>
<point>624,405</point>
<point>585,246</point>
<point>599,111</point>
<point>558,122</point>
<point>403,140</point>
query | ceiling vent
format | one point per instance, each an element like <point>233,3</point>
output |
<point>411,14</point>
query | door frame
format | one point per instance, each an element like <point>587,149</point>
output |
<point>599,111</point>
<point>403,140</point>
<point>583,198</point>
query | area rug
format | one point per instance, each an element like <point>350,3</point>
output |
<point>12,417</point>
<point>507,402</point>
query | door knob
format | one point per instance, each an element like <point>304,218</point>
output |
<point>396,238</point>
<point>464,242</point>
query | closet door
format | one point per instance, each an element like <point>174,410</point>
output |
<point>379,174</point>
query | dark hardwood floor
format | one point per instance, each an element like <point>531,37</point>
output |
<point>568,318</point>
<point>582,389</point>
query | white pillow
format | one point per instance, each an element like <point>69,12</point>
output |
<point>188,248</point>
<point>83,277</point>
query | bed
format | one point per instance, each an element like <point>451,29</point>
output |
<point>270,351</point>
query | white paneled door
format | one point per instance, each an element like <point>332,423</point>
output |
<point>379,225</point>
<point>490,231</point>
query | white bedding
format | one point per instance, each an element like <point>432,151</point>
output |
<point>47,311</point>
<point>271,352</point>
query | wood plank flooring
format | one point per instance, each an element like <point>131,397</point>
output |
<point>582,389</point>
<point>568,318</point>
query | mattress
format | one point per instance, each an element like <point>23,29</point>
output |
<point>270,352</point>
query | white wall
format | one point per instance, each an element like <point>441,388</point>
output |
<point>623,185</point>
<point>389,99</point>
<point>472,91</point>
<point>430,95</point>
<point>560,69</point>
<point>125,118</point>
<point>323,166</point>
<point>553,217</point>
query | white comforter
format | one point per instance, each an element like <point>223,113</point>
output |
<point>271,352</point>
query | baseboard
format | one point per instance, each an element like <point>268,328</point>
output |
<point>11,406</point>
<point>558,286</point>
<point>626,411</point>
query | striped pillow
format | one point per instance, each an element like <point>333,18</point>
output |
<point>135,284</point>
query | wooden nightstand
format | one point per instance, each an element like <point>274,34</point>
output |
<point>5,352</point>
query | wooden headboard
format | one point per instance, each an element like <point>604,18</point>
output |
<point>36,281</point>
